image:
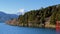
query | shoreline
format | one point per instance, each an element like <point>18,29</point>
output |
<point>50,26</point>
<point>16,23</point>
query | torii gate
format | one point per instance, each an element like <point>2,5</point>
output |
<point>58,26</point>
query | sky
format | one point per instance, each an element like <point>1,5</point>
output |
<point>16,6</point>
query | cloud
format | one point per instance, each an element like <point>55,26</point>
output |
<point>21,11</point>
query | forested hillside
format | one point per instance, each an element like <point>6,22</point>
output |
<point>40,17</point>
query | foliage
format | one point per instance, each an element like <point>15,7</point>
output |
<point>40,15</point>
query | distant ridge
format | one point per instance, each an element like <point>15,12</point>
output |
<point>4,17</point>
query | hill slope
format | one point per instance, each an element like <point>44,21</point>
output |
<point>4,17</point>
<point>41,16</point>
<point>44,17</point>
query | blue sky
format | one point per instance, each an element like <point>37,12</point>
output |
<point>15,6</point>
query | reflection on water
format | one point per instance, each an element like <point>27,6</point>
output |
<point>7,29</point>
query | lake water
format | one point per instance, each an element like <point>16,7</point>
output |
<point>7,29</point>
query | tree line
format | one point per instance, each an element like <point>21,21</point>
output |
<point>40,16</point>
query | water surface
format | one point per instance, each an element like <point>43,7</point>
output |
<point>7,29</point>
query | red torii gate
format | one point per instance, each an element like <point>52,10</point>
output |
<point>57,25</point>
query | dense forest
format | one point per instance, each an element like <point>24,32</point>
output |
<point>41,17</point>
<point>36,17</point>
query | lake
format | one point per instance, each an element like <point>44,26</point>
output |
<point>7,29</point>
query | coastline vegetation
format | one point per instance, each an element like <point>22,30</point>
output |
<point>44,17</point>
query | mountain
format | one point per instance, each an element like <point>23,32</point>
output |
<point>44,16</point>
<point>4,17</point>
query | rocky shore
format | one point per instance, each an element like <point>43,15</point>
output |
<point>16,23</point>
